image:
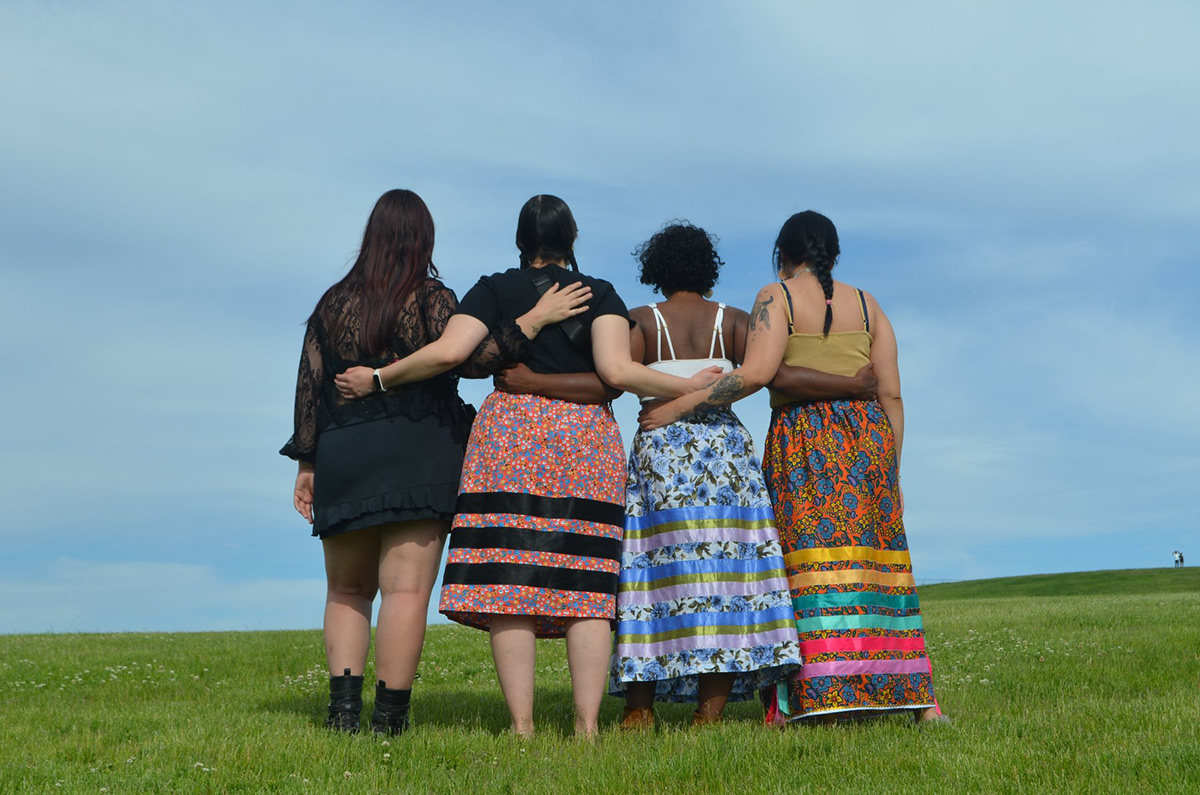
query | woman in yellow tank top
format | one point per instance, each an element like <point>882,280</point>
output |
<point>832,468</point>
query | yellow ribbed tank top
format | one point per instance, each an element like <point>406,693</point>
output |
<point>841,353</point>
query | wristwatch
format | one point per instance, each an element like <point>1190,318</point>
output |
<point>378,381</point>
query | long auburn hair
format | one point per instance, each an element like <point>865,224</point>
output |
<point>395,257</point>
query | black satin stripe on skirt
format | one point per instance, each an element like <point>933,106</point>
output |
<point>561,543</point>
<point>579,508</point>
<point>533,576</point>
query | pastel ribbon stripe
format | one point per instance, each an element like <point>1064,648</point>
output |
<point>919,665</point>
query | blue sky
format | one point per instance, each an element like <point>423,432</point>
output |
<point>1018,183</point>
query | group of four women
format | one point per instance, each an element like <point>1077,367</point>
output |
<point>725,579</point>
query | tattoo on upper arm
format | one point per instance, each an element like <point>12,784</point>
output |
<point>760,313</point>
<point>725,391</point>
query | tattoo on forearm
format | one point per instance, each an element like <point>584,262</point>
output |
<point>724,392</point>
<point>760,314</point>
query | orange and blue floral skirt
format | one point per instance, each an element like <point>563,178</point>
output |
<point>540,515</point>
<point>830,467</point>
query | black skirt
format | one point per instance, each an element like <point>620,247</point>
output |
<point>392,469</point>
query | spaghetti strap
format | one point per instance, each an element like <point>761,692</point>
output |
<point>788,295</point>
<point>862,304</point>
<point>718,332</point>
<point>660,324</point>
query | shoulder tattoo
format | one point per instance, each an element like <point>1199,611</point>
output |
<point>760,313</point>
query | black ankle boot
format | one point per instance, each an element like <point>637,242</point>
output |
<point>345,702</point>
<point>391,710</point>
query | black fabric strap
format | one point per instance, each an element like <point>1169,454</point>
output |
<point>791,309</point>
<point>862,299</point>
<point>579,508</point>
<point>559,543</point>
<point>572,326</point>
<point>532,576</point>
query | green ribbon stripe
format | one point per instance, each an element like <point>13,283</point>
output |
<point>858,598</point>
<point>858,622</point>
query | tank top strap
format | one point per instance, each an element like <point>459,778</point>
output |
<point>862,306</point>
<point>718,333</point>
<point>660,326</point>
<point>788,296</point>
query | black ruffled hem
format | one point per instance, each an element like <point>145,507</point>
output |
<point>430,501</point>
<point>296,454</point>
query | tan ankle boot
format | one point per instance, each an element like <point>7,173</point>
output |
<point>637,718</point>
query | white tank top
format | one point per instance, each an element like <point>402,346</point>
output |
<point>686,368</point>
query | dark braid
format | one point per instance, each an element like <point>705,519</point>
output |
<point>810,239</point>
<point>546,230</point>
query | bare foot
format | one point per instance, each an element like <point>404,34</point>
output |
<point>928,716</point>
<point>522,729</point>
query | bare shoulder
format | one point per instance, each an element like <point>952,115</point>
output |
<point>642,315</point>
<point>736,313</point>
<point>872,304</point>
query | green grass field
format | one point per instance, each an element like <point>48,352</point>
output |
<point>1083,682</point>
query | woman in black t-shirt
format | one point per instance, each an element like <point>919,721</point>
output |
<point>535,550</point>
<point>381,513</point>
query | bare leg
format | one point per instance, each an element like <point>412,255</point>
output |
<point>926,715</point>
<point>589,645</point>
<point>639,695</point>
<point>408,564</point>
<point>514,651</point>
<point>352,579</point>
<point>714,692</point>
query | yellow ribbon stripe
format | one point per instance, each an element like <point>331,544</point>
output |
<point>828,555</point>
<point>810,578</point>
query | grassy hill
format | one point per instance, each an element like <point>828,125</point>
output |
<point>1055,684</point>
<point>1077,583</point>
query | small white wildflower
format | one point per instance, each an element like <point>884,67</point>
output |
<point>387,756</point>
<point>347,774</point>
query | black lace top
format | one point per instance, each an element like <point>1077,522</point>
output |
<point>332,345</point>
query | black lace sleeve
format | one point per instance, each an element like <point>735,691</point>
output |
<point>303,444</point>
<point>504,345</point>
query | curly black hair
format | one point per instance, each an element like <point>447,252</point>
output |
<point>679,257</point>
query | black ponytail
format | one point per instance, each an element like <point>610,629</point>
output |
<point>546,230</point>
<point>810,239</point>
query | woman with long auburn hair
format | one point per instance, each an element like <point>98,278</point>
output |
<point>378,477</point>
<point>536,546</point>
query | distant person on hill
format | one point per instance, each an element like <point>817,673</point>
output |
<point>536,545</point>
<point>1178,558</point>
<point>378,477</point>
<point>832,467</point>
